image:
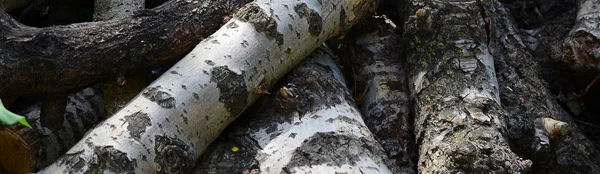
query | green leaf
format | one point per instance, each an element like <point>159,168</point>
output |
<point>9,118</point>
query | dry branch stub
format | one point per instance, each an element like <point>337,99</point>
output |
<point>185,109</point>
<point>458,118</point>
<point>25,150</point>
<point>310,125</point>
<point>373,51</point>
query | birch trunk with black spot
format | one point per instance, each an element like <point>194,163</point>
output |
<point>582,45</point>
<point>528,101</point>
<point>25,150</point>
<point>373,51</point>
<point>169,124</point>
<point>459,124</point>
<point>308,125</point>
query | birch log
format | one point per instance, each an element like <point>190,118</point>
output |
<point>529,103</point>
<point>374,52</point>
<point>582,45</point>
<point>167,126</point>
<point>25,150</point>
<point>308,125</point>
<point>458,120</point>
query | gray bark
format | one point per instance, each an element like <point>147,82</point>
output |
<point>529,102</point>
<point>458,119</point>
<point>25,150</point>
<point>308,125</point>
<point>373,51</point>
<point>168,126</point>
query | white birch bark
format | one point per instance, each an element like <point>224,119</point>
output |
<point>309,125</point>
<point>167,126</point>
<point>375,55</point>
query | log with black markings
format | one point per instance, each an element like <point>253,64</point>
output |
<point>310,124</point>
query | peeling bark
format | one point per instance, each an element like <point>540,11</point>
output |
<point>187,107</point>
<point>373,51</point>
<point>308,125</point>
<point>59,58</point>
<point>582,45</point>
<point>25,150</point>
<point>458,119</point>
<point>528,100</point>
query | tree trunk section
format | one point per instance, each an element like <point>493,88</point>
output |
<point>57,59</point>
<point>309,125</point>
<point>373,51</point>
<point>458,119</point>
<point>168,126</point>
<point>582,45</point>
<point>529,102</point>
<point>25,150</point>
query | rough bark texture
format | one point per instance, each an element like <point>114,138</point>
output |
<point>458,120</point>
<point>59,58</point>
<point>374,53</point>
<point>308,125</point>
<point>116,9</point>
<point>527,99</point>
<point>25,150</point>
<point>582,46</point>
<point>168,126</point>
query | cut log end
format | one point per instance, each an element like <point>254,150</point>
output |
<point>16,155</point>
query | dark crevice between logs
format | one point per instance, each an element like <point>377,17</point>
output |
<point>554,20</point>
<point>45,13</point>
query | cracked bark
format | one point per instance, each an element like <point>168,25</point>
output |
<point>168,126</point>
<point>308,125</point>
<point>459,123</point>
<point>25,150</point>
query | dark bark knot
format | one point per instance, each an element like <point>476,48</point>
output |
<point>234,92</point>
<point>262,22</point>
<point>315,22</point>
<point>137,124</point>
<point>330,149</point>
<point>161,98</point>
<point>172,155</point>
<point>112,160</point>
